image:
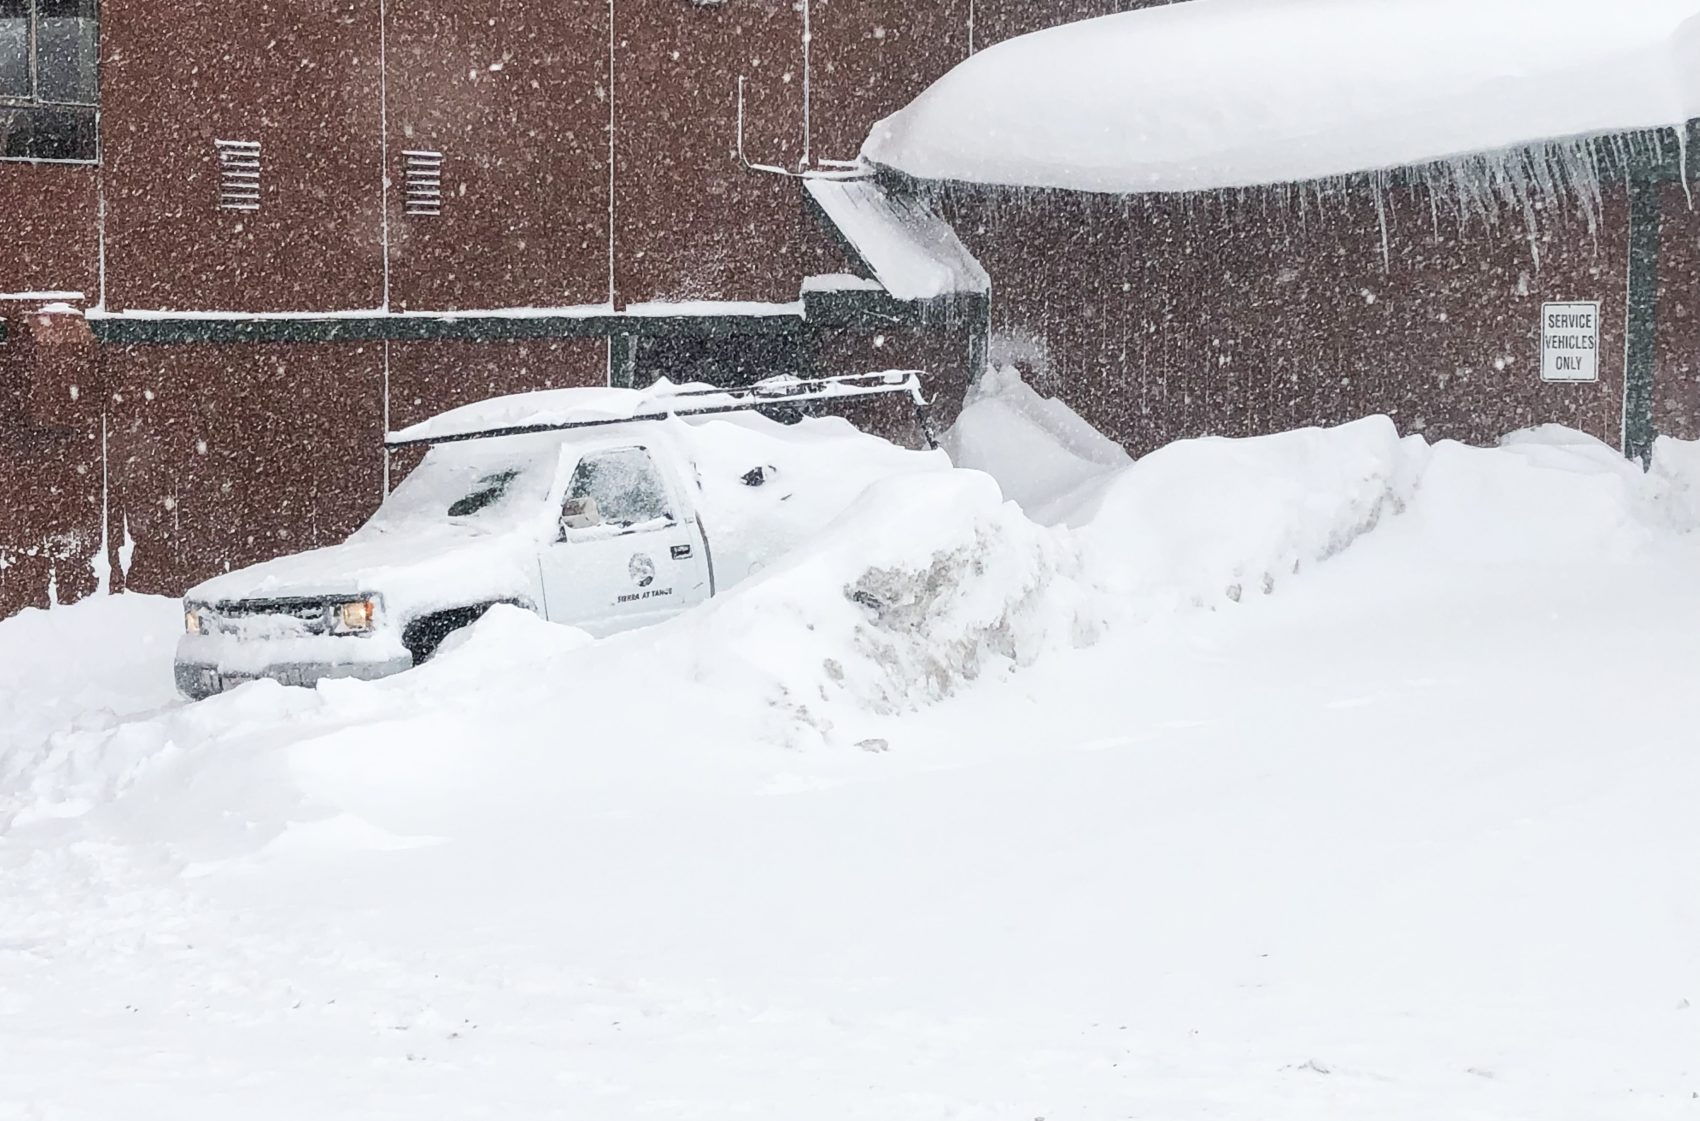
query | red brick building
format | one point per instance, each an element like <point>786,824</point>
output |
<point>240,240</point>
<point>281,218</point>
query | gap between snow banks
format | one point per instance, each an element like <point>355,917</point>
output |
<point>927,585</point>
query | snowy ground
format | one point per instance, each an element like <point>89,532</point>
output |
<point>1411,834</point>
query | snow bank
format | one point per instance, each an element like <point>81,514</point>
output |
<point>1676,473</point>
<point>1037,448</point>
<point>811,472</point>
<point>1203,521</point>
<point>927,583</point>
<point>1229,93</point>
<point>70,679</point>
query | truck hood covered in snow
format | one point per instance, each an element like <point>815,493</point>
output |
<point>414,551</point>
<point>418,569</point>
<point>1214,94</point>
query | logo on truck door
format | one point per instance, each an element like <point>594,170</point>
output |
<point>642,569</point>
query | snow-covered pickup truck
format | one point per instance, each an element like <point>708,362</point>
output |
<point>604,509</point>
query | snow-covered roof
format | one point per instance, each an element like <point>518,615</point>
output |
<point>1211,94</point>
<point>911,249</point>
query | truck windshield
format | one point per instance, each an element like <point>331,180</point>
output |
<point>486,492</point>
<point>482,486</point>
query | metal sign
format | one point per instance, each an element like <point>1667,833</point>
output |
<point>1570,342</point>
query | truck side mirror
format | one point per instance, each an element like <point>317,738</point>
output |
<point>580,513</point>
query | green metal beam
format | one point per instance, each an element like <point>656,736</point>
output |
<point>868,309</point>
<point>865,308</point>
<point>622,361</point>
<point>1639,352</point>
<point>381,327</point>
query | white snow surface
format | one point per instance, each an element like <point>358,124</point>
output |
<point>946,813</point>
<point>1214,94</point>
<point>1038,449</point>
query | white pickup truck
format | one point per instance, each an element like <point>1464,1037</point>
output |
<point>604,509</point>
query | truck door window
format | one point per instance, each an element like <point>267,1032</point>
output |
<point>624,490</point>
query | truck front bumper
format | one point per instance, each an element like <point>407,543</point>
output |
<point>197,682</point>
<point>207,665</point>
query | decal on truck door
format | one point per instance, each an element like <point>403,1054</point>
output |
<point>643,575</point>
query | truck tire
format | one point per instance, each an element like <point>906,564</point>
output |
<point>423,635</point>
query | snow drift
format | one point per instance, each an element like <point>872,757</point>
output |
<point>902,827</point>
<point>1036,447</point>
<point>929,584</point>
<point>1214,94</point>
<point>926,584</point>
<point>1204,520</point>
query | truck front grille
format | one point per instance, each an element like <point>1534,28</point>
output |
<point>251,615</point>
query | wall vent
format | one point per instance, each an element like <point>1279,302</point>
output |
<point>238,174</point>
<point>422,183</point>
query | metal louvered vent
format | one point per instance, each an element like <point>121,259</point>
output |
<point>238,174</point>
<point>422,183</point>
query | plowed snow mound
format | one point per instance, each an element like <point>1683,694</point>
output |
<point>928,584</point>
<point>1036,447</point>
<point>925,584</point>
<point>1676,475</point>
<point>73,676</point>
<point>1207,521</point>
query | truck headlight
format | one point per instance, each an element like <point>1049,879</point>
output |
<point>356,617</point>
<point>193,621</point>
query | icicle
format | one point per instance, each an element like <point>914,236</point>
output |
<point>126,551</point>
<point>1682,162</point>
<point>1378,188</point>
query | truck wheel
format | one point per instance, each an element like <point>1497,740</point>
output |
<point>426,633</point>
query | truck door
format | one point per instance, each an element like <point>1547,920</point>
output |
<point>627,551</point>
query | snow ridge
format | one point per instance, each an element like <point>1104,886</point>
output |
<point>929,585</point>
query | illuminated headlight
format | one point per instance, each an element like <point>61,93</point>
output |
<point>194,621</point>
<point>355,617</point>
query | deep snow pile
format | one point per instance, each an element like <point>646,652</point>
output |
<point>929,582</point>
<point>1408,838</point>
<point>813,472</point>
<point>78,675</point>
<point>925,584</point>
<point>1204,520</point>
<point>1037,448</point>
<point>1675,472</point>
<point>1232,93</point>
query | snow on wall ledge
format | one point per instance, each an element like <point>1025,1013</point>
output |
<point>1215,94</point>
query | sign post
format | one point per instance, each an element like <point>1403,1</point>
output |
<point>1570,342</point>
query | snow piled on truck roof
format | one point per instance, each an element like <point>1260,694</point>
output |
<point>588,406</point>
<point>1213,94</point>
